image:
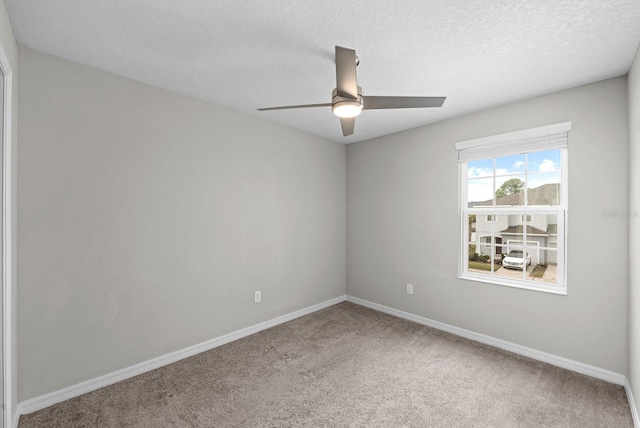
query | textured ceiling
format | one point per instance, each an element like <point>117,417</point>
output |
<point>260,53</point>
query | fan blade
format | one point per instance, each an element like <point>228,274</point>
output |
<point>348,125</point>
<point>373,102</point>
<point>346,83</point>
<point>290,107</point>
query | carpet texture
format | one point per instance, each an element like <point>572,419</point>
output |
<point>348,366</point>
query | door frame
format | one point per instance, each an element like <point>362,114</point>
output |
<point>6,74</point>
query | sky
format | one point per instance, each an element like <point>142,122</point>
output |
<point>535,169</point>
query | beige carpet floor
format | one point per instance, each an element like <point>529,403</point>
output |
<point>348,366</point>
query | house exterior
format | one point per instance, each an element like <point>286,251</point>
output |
<point>507,230</point>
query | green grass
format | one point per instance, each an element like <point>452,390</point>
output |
<point>483,266</point>
<point>538,271</point>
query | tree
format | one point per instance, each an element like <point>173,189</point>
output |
<point>510,187</point>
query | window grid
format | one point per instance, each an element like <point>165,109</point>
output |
<point>526,213</point>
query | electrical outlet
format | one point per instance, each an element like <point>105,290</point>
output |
<point>409,288</point>
<point>257,297</point>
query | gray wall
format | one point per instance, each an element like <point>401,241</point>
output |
<point>9,46</point>
<point>403,227</point>
<point>148,220</point>
<point>634,228</point>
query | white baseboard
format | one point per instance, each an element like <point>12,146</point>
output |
<point>46,400</point>
<point>555,360</point>
<point>632,403</point>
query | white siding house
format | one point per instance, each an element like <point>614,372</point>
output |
<point>507,231</point>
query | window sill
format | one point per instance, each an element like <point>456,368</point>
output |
<point>524,285</point>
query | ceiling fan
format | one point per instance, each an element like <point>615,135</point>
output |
<point>348,100</point>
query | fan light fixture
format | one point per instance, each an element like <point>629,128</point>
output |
<point>348,101</point>
<point>347,108</point>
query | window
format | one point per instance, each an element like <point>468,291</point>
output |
<point>513,191</point>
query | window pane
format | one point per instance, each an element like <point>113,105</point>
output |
<point>546,161</point>
<point>509,165</point>
<point>487,240</point>
<point>484,248</point>
<point>509,191</point>
<point>480,259</point>
<point>480,192</point>
<point>544,189</point>
<point>480,168</point>
<point>544,266</point>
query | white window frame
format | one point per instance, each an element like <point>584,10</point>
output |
<point>512,143</point>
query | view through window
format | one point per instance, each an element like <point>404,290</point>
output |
<point>513,216</point>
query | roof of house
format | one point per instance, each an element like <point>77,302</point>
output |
<point>547,194</point>
<point>517,230</point>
